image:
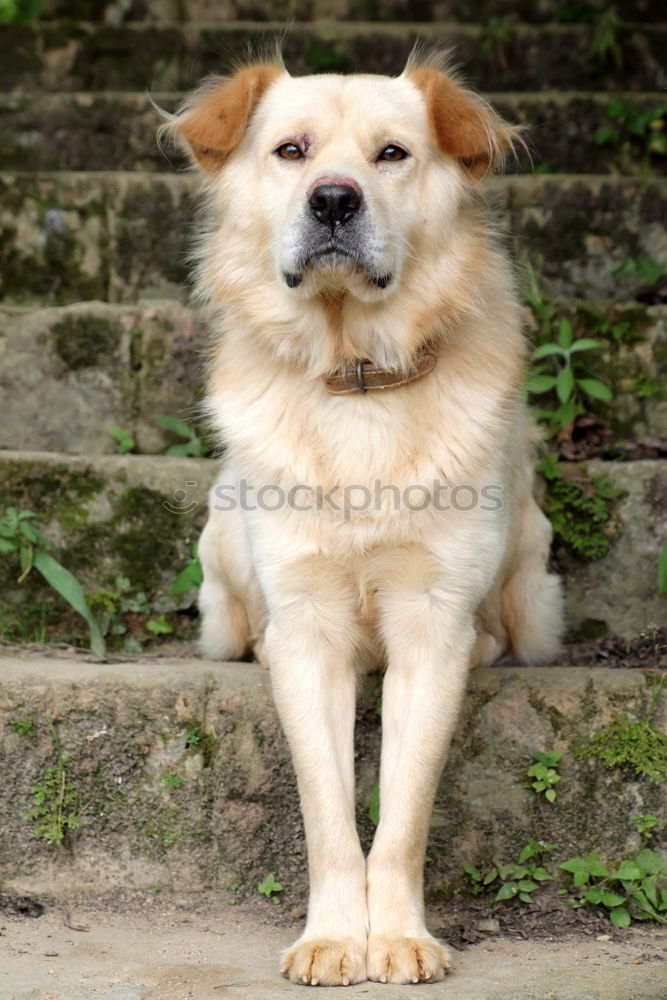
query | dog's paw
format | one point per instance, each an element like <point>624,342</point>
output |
<point>406,960</point>
<point>323,962</point>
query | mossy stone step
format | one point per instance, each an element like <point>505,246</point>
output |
<point>137,56</point>
<point>132,516</point>
<point>137,516</point>
<point>103,131</point>
<point>474,11</point>
<point>123,236</point>
<point>179,776</point>
<point>69,373</point>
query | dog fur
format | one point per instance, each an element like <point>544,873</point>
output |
<point>320,593</point>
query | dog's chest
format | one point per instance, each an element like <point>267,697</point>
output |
<point>411,435</point>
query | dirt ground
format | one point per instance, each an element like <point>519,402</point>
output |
<point>180,947</point>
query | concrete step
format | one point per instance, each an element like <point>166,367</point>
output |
<point>473,11</point>
<point>179,776</point>
<point>71,372</point>
<point>132,516</point>
<point>123,236</point>
<point>135,56</point>
<point>137,516</point>
<point>117,130</point>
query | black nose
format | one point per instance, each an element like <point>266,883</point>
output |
<point>334,204</point>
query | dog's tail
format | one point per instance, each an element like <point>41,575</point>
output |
<point>532,598</point>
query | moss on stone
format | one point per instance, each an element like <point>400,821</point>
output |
<point>143,535</point>
<point>85,341</point>
<point>580,514</point>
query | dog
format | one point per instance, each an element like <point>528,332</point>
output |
<point>375,507</point>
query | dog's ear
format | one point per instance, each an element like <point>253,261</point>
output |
<point>463,125</point>
<point>212,123</point>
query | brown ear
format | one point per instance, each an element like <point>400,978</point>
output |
<point>463,125</point>
<point>214,124</point>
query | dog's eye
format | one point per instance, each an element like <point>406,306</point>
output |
<point>289,151</point>
<point>393,153</point>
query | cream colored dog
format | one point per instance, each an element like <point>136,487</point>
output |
<point>375,504</point>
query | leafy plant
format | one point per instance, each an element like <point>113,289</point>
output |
<point>561,370</point>
<point>18,535</point>
<point>619,330</point>
<point>20,11</point>
<point>124,440</point>
<point>191,575</point>
<point>545,773</point>
<point>159,626</point>
<point>575,11</point>
<point>644,268</point>
<point>57,807</point>
<point>192,734</point>
<point>634,890</point>
<point>646,824</point>
<point>605,44</point>
<point>517,880</point>
<point>25,728</point>
<point>112,608</point>
<point>173,780</point>
<point>192,445</point>
<point>270,888</point>
<point>646,126</point>
<point>496,34</point>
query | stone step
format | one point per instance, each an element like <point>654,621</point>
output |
<point>117,130</point>
<point>69,373</point>
<point>137,516</point>
<point>123,236</point>
<point>474,11</point>
<point>81,56</point>
<point>178,775</point>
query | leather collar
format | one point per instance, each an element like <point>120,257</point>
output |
<point>363,375</point>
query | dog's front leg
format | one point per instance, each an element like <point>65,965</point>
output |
<point>429,636</point>
<point>310,647</point>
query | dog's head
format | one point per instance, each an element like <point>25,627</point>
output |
<point>341,180</point>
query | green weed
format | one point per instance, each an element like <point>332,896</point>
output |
<point>559,368</point>
<point>25,728</point>
<point>270,888</point>
<point>192,444</point>
<point>20,11</point>
<point>544,773</point>
<point>633,890</point>
<point>57,805</point>
<point>19,536</point>
<point>125,443</point>
<point>646,127</point>
<point>517,880</point>
<point>191,575</point>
